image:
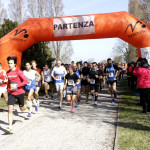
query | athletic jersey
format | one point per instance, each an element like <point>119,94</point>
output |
<point>85,72</point>
<point>111,73</point>
<point>59,73</point>
<point>47,75</point>
<point>16,77</point>
<point>2,78</point>
<point>71,79</point>
<point>30,75</point>
<point>39,71</point>
<point>92,74</point>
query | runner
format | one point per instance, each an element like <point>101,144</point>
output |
<point>47,81</point>
<point>78,73</point>
<point>3,83</point>
<point>84,81</point>
<point>111,73</point>
<point>71,83</point>
<point>94,76</point>
<point>34,66</point>
<point>58,75</point>
<point>30,87</point>
<point>16,80</point>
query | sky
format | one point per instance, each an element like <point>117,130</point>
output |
<point>97,49</point>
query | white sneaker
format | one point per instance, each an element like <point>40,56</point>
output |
<point>9,130</point>
<point>38,103</point>
<point>95,103</point>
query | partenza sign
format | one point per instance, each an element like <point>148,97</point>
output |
<point>73,26</point>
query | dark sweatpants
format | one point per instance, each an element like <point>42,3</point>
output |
<point>145,99</point>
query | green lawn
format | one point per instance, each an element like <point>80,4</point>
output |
<point>2,103</point>
<point>134,126</point>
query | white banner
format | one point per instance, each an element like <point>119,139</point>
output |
<point>73,26</point>
<point>145,53</point>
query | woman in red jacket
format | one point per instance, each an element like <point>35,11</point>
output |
<point>142,72</point>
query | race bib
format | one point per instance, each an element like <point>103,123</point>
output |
<point>13,86</point>
<point>70,82</point>
<point>92,81</point>
<point>111,74</point>
<point>58,77</point>
<point>29,82</point>
<point>85,77</point>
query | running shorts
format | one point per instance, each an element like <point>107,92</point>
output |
<point>70,90</point>
<point>12,99</point>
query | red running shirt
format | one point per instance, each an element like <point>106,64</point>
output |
<point>38,70</point>
<point>2,77</point>
<point>16,77</point>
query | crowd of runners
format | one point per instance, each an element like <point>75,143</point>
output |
<point>71,81</point>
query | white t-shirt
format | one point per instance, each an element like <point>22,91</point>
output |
<point>30,75</point>
<point>47,76</point>
<point>59,73</point>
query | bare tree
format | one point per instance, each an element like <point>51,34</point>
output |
<point>16,10</point>
<point>140,9</point>
<point>60,49</point>
<point>121,50</point>
<point>3,12</point>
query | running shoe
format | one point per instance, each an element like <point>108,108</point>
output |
<point>29,115</point>
<point>87,102</point>
<point>95,103</point>
<point>76,105</point>
<point>38,103</point>
<point>46,97</point>
<point>59,108</point>
<point>9,130</point>
<point>113,101</point>
<point>36,108</point>
<point>52,96</point>
<point>72,110</point>
<point>115,95</point>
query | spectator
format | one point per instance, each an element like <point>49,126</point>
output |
<point>142,72</point>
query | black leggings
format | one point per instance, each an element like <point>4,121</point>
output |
<point>145,99</point>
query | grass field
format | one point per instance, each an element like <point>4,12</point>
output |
<point>2,103</point>
<point>134,126</point>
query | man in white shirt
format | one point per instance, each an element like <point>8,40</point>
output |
<point>58,74</point>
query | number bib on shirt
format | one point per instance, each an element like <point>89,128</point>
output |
<point>70,82</point>
<point>92,81</point>
<point>29,82</point>
<point>58,77</point>
<point>111,74</point>
<point>13,86</point>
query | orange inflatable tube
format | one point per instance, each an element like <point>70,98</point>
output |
<point>95,26</point>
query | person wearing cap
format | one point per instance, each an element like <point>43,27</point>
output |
<point>71,82</point>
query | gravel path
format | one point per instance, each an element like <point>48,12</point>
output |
<point>89,128</point>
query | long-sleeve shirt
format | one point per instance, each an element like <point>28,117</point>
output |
<point>16,77</point>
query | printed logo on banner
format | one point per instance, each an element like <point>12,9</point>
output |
<point>73,26</point>
<point>17,32</point>
<point>132,28</point>
<point>145,53</point>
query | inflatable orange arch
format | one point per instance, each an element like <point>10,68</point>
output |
<point>95,26</point>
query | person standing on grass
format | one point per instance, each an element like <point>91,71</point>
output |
<point>142,72</point>
<point>3,83</point>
